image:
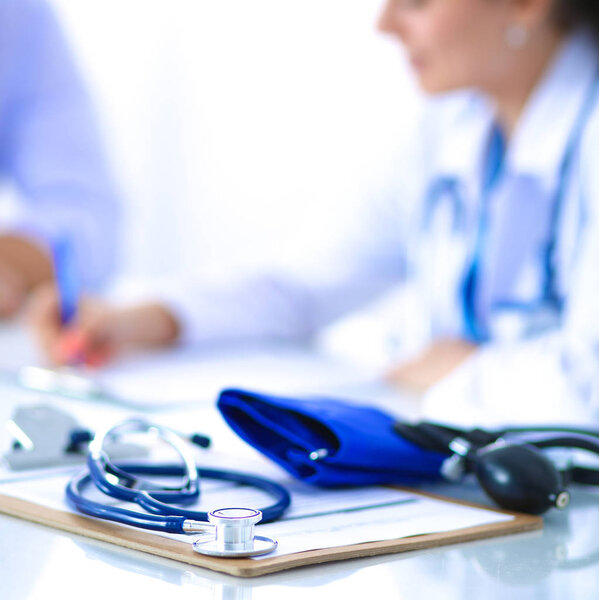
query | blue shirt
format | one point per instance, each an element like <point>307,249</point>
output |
<point>50,150</point>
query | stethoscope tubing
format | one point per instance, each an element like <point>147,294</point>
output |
<point>100,468</point>
<point>448,187</point>
<point>162,516</point>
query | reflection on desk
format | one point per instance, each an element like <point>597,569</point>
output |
<point>560,562</point>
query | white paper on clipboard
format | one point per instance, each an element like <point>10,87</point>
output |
<point>317,519</point>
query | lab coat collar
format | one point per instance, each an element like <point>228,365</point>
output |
<point>466,120</point>
<point>539,142</point>
<point>543,133</point>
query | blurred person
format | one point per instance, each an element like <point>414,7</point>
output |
<point>493,222</point>
<point>50,159</point>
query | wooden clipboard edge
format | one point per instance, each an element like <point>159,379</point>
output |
<point>105,531</point>
<point>143,541</point>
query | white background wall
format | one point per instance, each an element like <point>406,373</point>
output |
<point>239,130</point>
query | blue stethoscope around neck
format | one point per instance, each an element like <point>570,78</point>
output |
<point>163,505</point>
<point>448,189</point>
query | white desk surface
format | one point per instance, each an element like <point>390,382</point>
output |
<point>37,562</point>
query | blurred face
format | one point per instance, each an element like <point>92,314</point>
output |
<point>452,44</point>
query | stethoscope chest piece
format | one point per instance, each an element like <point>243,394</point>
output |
<point>234,534</point>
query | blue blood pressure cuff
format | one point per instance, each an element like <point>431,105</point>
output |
<point>328,442</point>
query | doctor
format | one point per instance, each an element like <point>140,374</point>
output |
<point>494,222</point>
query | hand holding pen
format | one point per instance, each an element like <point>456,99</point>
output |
<point>73,329</point>
<point>98,332</point>
<point>55,311</point>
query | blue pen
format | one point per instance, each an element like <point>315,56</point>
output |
<point>66,279</point>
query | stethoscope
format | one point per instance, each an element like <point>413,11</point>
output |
<point>447,189</point>
<point>231,529</point>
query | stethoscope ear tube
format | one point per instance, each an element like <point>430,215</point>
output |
<point>149,502</point>
<point>74,493</point>
<point>162,516</point>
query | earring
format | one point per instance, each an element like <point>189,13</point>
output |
<point>516,36</point>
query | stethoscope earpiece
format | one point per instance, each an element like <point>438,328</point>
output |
<point>519,477</point>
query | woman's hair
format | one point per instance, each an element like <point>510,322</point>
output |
<point>576,13</point>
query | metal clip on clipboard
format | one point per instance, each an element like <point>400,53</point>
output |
<point>44,436</point>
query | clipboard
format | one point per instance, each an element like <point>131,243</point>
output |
<point>180,551</point>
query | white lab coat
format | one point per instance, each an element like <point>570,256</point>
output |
<point>391,245</point>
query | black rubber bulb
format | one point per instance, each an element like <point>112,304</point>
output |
<point>520,478</point>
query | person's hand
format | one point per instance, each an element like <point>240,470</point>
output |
<point>437,361</point>
<point>12,291</point>
<point>100,331</point>
<point>23,266</point>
